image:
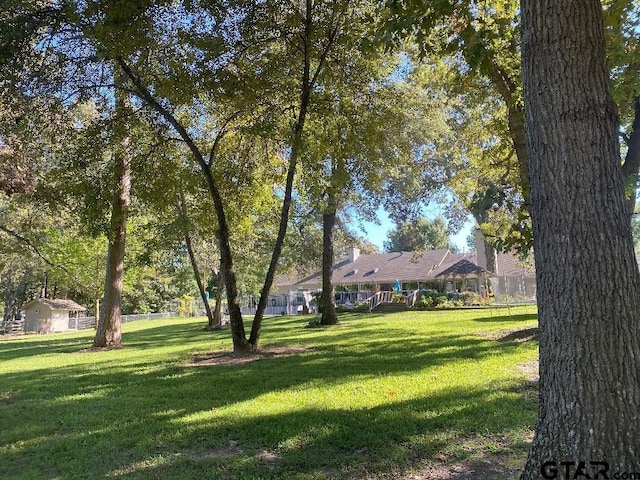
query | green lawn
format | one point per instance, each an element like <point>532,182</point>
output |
<point>397,396</point>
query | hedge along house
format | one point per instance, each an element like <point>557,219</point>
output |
<point>44,315</point>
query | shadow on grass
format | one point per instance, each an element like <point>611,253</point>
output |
<point>157,420</point>
<point>157,443</point>
<point>152,337</point>
<point>163,425</point>
<point>521,317</point>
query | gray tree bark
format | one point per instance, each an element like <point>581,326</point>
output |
<point>109,331</point>
<point>329,315</point>
<point>631,163</point>
<point>240,343</point>
<point>306,87</point>
<point>585,264</point>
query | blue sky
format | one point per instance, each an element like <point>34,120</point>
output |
<point>377,234</point>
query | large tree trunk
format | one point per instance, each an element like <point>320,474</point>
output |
<point>108,332</point>
<point>588,279</point>
<point>192,258</point>
<point>240,343</point>
<point>632,161</point>
<point>329,315</point>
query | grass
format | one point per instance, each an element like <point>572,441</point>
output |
<point>392,396</point>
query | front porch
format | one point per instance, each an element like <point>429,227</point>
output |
<point>297,302</point>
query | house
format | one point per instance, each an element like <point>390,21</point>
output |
<point>44,315</point>
<point>357,278</point>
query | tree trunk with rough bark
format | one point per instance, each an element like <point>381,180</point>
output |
<point>631,163</point>
<point>240,343</point>
<point>329,315</point>
<point>109,332</point>
<point>587,276</point>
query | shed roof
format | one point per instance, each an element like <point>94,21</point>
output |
<point>57,304</point>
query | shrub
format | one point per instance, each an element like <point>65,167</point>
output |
<point>362,307</point>
<point>344,308</point>
<point>430,292</point>
<point>185,308</point>
<point>440,300</point>
<point>398,298</point>
<point>446,303</point>
<point>425,302</point>
<point>470,298</point>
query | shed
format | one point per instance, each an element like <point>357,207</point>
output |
<point>45,315</point>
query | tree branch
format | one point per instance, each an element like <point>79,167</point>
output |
<point>144,94</point>
<point>29,244</point>
<point>221,133</point>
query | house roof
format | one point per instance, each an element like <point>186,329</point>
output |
<point>509,266</point>
<point>57,304</point>
<point>389,267</point>
<point>462,267</point>
<point>379,268</point>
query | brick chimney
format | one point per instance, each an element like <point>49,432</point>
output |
<point>486,255</point>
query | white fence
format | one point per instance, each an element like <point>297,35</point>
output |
<point>85,323</point>
<point>12,327</point>
<point>15,327</point>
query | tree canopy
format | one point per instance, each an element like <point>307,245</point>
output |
<point>419,235</point>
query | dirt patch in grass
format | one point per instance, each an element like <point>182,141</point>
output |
<point>513,335</point>
<point>494,457</point>
<point>464,471</point>
<point>268,456</point>
<point>532,369</point>
<point>225,357</point>
<point>8,398</point>
<point>231,450</point>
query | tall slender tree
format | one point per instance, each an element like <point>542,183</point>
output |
<point>109,328</point>
<point>589,364</point>
<point>213,322</point>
